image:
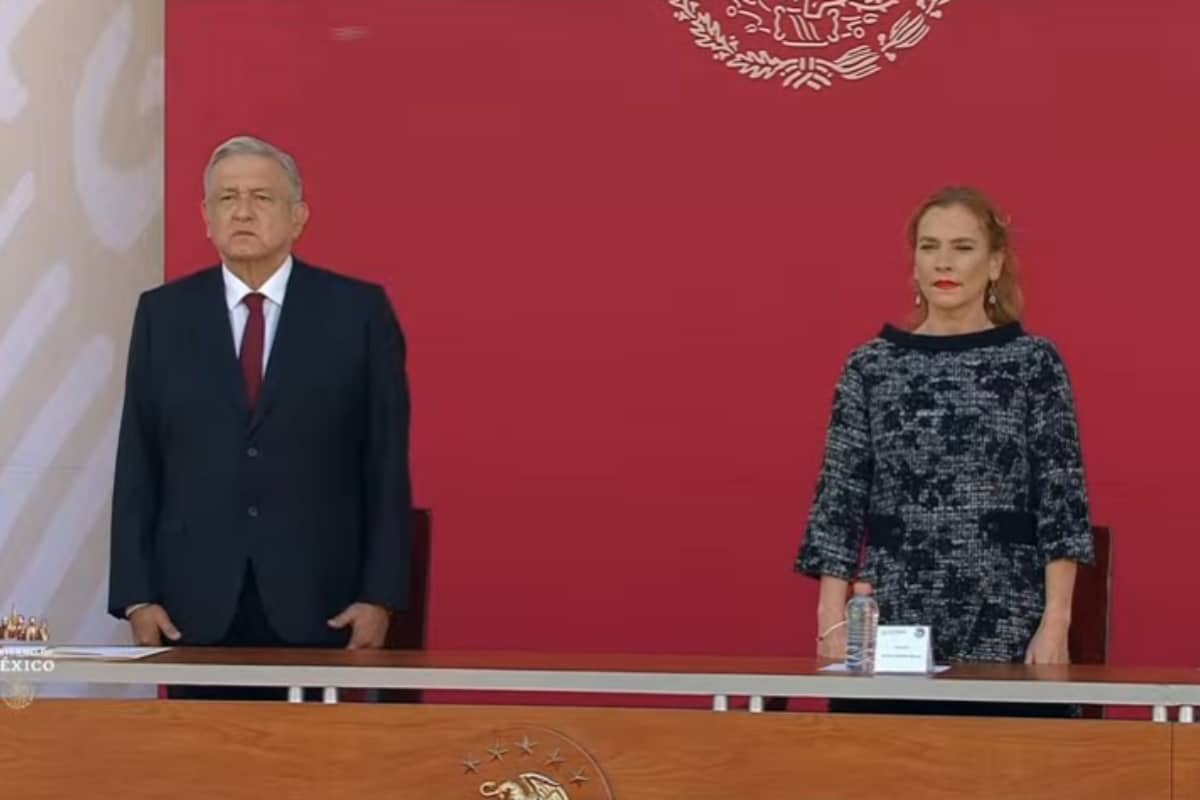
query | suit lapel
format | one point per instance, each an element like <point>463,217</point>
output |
<point>214,343</point>
<point>287,348</point>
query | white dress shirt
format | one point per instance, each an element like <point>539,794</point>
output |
<point>273,290</point>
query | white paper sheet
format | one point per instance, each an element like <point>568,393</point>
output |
<point>114,653</point>
<point>843,668</point>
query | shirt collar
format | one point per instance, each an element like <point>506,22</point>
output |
<point>274,289</point>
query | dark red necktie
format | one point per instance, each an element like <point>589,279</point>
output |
<point>252,347</point>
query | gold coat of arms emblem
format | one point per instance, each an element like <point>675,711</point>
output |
<point>17,694</point>
<point>533,763</point>
<point>807,44</point>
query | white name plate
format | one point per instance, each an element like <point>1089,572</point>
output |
<point>904,648</point>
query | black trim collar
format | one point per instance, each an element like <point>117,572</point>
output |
<point>990,337</point>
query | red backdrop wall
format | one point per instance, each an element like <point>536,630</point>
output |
<point>629,277</point>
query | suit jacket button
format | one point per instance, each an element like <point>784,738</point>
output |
<point>252,511</point>
<point>252,452</point>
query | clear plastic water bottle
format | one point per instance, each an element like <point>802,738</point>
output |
<point>862,621</point>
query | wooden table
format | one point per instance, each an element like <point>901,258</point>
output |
<point>153,749</point>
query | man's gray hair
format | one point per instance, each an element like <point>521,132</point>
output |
<point>252,146</point>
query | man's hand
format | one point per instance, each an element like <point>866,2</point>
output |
<point>368,623</point>
<point>150,623</point>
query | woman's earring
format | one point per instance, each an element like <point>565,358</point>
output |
<point>917,300</point>
<point>992,294</point>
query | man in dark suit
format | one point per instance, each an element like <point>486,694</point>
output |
<point>262,495</point>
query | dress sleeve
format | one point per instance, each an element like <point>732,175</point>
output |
<point>1058,487</point>
<point>834,534</point>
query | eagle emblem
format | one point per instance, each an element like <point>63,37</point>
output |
<point>808,44</point>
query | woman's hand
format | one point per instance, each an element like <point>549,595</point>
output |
<point>831,618</point>
<point>1049,644</point>
<point>832,645</point>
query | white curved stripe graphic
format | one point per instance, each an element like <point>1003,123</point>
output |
<point>38,448</point>
<point>74,519</point>
<point>119,204</point>
<point>19,201</point>
<point>33,321</point>
<point>13,95</point>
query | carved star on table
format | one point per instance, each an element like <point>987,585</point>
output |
<point>525,745</point>
<point>555,759</point>
<point>470,764</point>
<point>579,777</point>
<point>497,752</point>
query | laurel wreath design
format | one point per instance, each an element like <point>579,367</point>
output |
<point>808,71</point>
<point>17,694</point>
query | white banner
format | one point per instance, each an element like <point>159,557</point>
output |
<point>81,234</point>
